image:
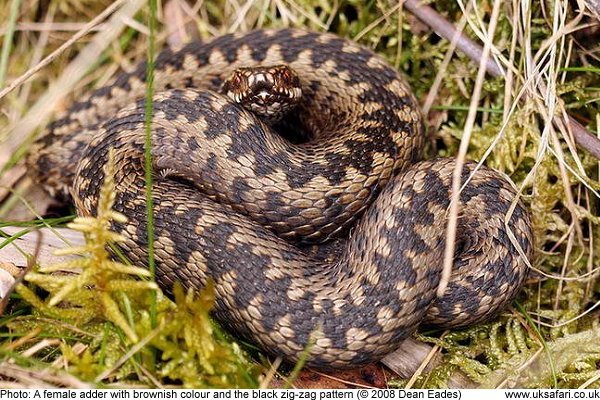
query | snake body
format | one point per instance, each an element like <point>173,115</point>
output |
<point>235,201</point>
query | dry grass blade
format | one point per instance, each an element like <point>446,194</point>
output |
<point>445,29</point>
<point>25,378</point>
<point>45,106</point>
<point>132,351</point>
<point>456,36</point>
<point>84,31</point>
<point>462,152</point>
<point>422,367</point>
<point>178,23</point>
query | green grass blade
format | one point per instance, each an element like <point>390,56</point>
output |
<point>148,147</point>
<point>8,37</point>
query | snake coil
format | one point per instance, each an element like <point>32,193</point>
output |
<point>237,203</point>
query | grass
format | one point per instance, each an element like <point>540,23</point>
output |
<point>549,337</point>
<point>148,148</point>
<point>7,42</point>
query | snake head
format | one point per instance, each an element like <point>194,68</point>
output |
<point>268,92</point>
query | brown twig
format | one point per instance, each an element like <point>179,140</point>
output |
<point>447,30</point>
<point>474,51</point>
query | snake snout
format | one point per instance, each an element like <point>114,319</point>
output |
<point>269,92</point>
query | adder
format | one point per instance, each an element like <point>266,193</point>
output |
<point>237,202</point>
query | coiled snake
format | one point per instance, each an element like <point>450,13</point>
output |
<point>233,198</point>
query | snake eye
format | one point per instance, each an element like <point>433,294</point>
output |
<point>236,85</point>
<point>268,92</point>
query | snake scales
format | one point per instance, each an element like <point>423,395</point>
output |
<point>233,198</point>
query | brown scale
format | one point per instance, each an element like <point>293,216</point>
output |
<point>232,196</point>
